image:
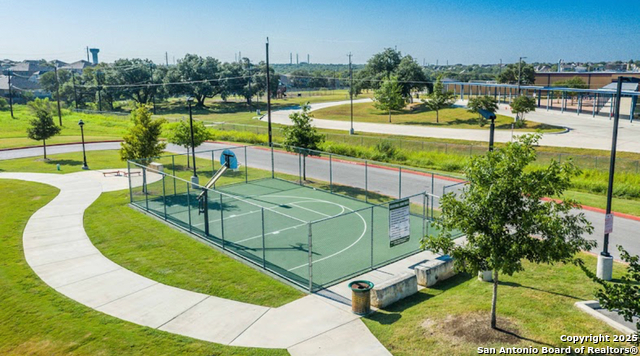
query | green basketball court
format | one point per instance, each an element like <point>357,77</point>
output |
<point>296,231</point>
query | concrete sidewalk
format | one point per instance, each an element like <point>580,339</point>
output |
<point>59,251</point>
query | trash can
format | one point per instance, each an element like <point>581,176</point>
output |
<point>361,297</point>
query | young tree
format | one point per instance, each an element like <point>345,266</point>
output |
<point>142,142</point>
<point>389,96</point>
<point>624,297</point>
<point>484,102</point>
<point>521,106</point>
<point>439,99</point>
<point>504,218</point>
<point>302,136</point>
<point>42,127</point>
<point>179,133</point>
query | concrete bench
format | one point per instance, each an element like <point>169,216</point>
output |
<point>432,271</point>
<point>393,290</point>
<point>156,166</point>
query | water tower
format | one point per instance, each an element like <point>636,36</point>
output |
<point>94,55</point>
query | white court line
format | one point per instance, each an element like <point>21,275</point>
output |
<point>311,210</point>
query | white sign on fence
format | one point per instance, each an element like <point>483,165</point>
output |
<point>608,223</point>
<point>399,222</point>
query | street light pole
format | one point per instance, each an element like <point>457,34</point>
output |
<point>351,93</point>
<point>55,69</point>
<point>605,260</point>
<point>194,179</point>
<point>10,93</point>
<point>84,153</point>
<point>520,72</point>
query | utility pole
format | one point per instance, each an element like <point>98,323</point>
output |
<point>520,72</point>
<point>269,95</point>
<point>10,73</point>
<point>351,93</point>
<point>153,92</point>
<point>99,91</point>
<point>75,94</point>
<point>55,69</point>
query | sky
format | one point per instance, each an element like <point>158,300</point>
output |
<point>463,31</point>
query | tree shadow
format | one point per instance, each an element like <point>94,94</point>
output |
<point>64,162</point>
<point>520,337</point>
<point>514,284</point>
<point>356,193</point>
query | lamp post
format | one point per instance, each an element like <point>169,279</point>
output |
<point>84,153</point>
<point>194,179</point>
<point>604,268</point>
<point>488,115</point>
<point>520,72</point>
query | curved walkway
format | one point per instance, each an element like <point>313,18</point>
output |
<point>58,249</point>
<point>585,131</point>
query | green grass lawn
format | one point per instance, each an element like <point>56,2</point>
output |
<point>420,115</point>
<point>537,304</point>
<point>97,127</point>
<point>36,320</point>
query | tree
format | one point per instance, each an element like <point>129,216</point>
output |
<point>439,99</point>
<point>484,102</point>
<point>3,103</point>
<point>623,297</point>
<point>302,136</point>
<point>179,133</point>
<point>389,96</point>
<point>42,126</point>
<point>135,71</point>
<point>509,74</point>
<point>575,82</point>
<point>521,106</point>
<point>203,75</point>
<point>411,77</point>
<point>142,141</point>
<point>504,217</point>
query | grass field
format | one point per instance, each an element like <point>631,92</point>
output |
<point>535,305</point>
<point>36,320</point>
<point>422,116</point>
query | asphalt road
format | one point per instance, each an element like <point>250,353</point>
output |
<point>384,181</point>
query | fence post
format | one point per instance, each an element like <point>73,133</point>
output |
<point>330,173</point>
<point>470,150</point>
<point>130,185</point>
<point>310,242</point>
<point>366,181</point>
<point>636,167</point>
<point>424,213</point>
<point>264,248</point>
<point>432,190</point>
<point>189,205</point>
<point>246,165</point>
<point>596,165</point>
<point>213,164</point>
<point>300,168</point>
<point>145,189</point>
<point>399,182</point>
<point>164,197</point>
<point>371,237</point>
<point>222,221</point>
<point>173,165</point>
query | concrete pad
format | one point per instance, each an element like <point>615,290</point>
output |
<point>216,320</point>
<point>293,323</point>
<point>105,288</point>
<point>349,339</point>
<point>59,252</point>
<point>66,272</point>
<point>153,306</point>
